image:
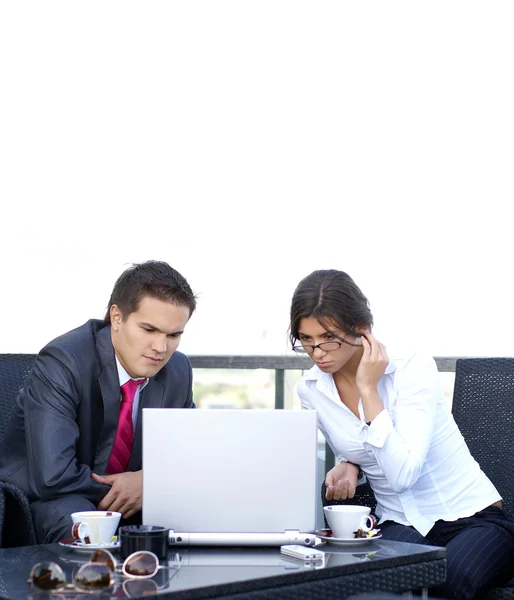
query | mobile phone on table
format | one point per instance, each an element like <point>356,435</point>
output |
<point>301,552</point>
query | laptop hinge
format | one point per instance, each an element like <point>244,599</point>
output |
<point>290,536</point>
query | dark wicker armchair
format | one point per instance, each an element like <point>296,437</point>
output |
<point>16,523</point>
<point>483,407</point>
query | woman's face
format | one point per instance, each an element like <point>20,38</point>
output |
<point>311,333</point>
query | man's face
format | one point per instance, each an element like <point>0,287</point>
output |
<point>145,341</point>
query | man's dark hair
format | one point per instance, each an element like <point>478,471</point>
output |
<point>152,278</point>
<point>332,297</point>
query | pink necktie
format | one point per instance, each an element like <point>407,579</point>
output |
<point>122,448</point>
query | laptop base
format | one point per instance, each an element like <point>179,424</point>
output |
<point>241,539</point>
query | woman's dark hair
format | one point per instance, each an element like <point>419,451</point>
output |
<point>152,278</point>
<point>331,297</point>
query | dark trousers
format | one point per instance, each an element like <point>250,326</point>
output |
<point>479,550</point>
<point>52,518</point>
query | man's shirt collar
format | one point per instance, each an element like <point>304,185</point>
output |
<point>123,376</point>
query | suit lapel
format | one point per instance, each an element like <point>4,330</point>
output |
<point>110,389</point>
<point>152,396</point>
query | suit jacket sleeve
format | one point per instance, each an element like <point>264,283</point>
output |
<point>53,394</point>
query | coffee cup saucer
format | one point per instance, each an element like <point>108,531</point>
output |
<point>327,536</point>
<point>81,546</point>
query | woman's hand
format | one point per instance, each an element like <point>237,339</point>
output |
<point>341,481</point>
<point>372,365</point>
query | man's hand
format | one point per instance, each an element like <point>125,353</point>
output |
<point>126,493</point>
<point>341,482</point>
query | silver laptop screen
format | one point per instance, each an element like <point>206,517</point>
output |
<point>229,471</point>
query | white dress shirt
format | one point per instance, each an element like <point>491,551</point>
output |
<point>413,454</point>
<point>124,377</point>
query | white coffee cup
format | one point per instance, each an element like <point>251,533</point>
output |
<point>95,526</point>
<point>345,519</point>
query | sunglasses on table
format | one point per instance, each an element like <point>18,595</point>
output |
<point>97,574</point>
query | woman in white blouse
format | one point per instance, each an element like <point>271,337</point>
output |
<point>390,419</point>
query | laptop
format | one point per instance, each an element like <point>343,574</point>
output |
<point>230,477</point>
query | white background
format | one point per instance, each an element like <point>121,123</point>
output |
<point>249,143</point>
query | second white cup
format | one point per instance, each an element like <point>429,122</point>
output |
<point>345,519</point>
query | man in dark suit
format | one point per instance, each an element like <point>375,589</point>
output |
<point>62,443</point>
